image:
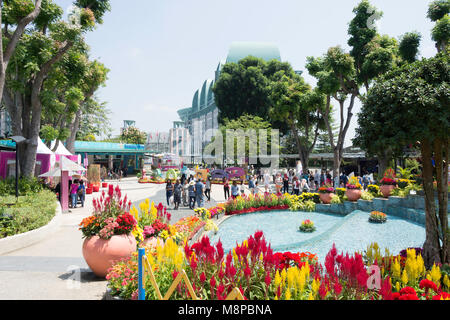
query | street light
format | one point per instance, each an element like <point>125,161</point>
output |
<point>17,140</point>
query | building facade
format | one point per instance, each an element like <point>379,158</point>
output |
<point>201,119</point>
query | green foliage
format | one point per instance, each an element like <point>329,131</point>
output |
<point>27,186</point>
<point>409,46</point>
<point>31,212</point>
<point>15,10</point>
<point>362,30</point>
<point>133,135</point>
<point>441,32</point>
<point>335,199</point>
<point>438,9</point>
<point>367,196</point>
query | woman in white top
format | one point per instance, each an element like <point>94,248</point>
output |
<point>304,186</point>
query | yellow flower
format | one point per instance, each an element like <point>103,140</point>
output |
<point>315,286</point>
<point>138,233</point>
<point>396,269</point>
<point>404,278</point>
<point>310,297</point>
<point>288,294</point>
<point>277,279</point>
<point>436,274</point>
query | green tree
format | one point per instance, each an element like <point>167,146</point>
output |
<point>392,106</point>
<point>133,135</point>
<point>41,51</point>
<point>18,14</point>
<point>300,107</point>
<point>242,88</point>
<point>438,11</point>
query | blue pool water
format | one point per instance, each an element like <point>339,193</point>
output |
<point>350,233</point>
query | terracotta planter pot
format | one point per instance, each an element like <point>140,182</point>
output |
<point>326,197</point>
<point>353,194</point>
<point>153,242</point>
<point>100,254</point>
<point>386,190</point>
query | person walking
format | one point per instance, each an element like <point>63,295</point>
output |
<point>285,183</point>
<point>185,193</point>
<point>226,188</point>
<point>82,193</point>
<point>208,189</point>
<point>267,181</point>
<point>322,178</point>
<point>251,184</point>
<point>296,186</point>
<point>317,179</point>
<point>177,194</point>
<point>191,193</point>
<point>234,190</point>
<point>199,189</point>
<point>169,191</point>
<point>74,193</point>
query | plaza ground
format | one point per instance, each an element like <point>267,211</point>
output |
<point>45,270</point>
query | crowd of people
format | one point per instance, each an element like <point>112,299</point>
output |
<point>188,192</point>
<point>194,191</point>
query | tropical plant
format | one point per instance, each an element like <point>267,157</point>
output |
<point>307,226</point>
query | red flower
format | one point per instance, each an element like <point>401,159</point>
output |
<point>202,277</point>
<point>428,284</point>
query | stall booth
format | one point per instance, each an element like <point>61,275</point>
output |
<point>45,160</point>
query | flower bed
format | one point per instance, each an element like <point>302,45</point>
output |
<point>307,226</point>
<point>377,217</point>
<point>259,273</point>
<point>254,203</point>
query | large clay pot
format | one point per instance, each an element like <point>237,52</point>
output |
<point>326,197</point>
<point>153,242</point>
<point>353,194</point>
<point>100,254</point>
<point>386,190</point>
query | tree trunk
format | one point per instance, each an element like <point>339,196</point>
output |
<point>441,161</point>
<point>431,247</point>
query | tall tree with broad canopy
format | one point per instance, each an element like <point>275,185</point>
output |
<point>18,14</point>
<point>412,105</point>
<point>42,47</point>
<point>342,76</point>
<point>294,102</point>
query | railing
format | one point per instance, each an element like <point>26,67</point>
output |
<point>144,268</point>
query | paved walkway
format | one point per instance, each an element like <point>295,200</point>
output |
<point>45,270</point>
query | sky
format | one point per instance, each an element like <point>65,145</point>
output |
<point>161,51</point>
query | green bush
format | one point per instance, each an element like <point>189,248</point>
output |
<point>31,212</point>
<point>26,186</point>
<point>335,199</point>
<point>366,196</point>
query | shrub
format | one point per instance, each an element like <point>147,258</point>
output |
<point>335,199</point>
<point>26,186</point>
<point>340,192</point>
<point>366,196</point>
<point>31,212</point>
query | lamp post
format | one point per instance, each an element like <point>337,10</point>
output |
<point>17,140</point>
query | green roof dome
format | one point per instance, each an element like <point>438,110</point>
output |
<point>240,50</point>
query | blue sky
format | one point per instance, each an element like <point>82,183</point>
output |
<point>161,51</point>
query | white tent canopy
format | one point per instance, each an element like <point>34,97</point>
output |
<point>63,165</point>
<point>42,148</point>
<point>69,165</point>
<point>61,150</point>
